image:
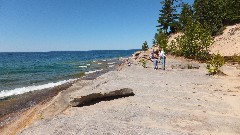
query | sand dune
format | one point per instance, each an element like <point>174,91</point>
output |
<point>228,44</point>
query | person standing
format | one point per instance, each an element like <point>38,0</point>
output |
<point>155,61</point>
<point>163,58</point>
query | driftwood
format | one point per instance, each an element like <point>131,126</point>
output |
<point>98,97</point>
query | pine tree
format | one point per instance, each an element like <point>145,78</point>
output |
<point>168,17</point>
<point>186,15</point>
<point>145,46</point>
<point>232,12</point>
<point>217,13</point>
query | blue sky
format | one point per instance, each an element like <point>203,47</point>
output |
<point>75,25</point>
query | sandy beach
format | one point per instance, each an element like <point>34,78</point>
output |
<point>173,101</point>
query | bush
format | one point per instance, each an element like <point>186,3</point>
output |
<point>195,42</point>
<point>214,64</point>
<point>236,58</point>
<point>143,62</point>
<point>173,48</point>
<point>162,40</point>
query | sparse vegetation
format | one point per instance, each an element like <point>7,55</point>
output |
<point>233,59</point>
<point>214,64</point>
<point>143,62</point>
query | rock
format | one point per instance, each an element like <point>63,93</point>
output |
<point>98,97</point>
<point>185,66</point>
<point>195,66</point>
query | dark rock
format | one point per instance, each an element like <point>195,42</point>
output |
<point>185,66</point>
<point>98,97</point>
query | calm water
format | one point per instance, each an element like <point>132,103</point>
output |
<point>18,70</point>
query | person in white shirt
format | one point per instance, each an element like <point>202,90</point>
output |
<point>163,58</point>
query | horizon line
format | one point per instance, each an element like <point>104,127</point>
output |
<point>68,51</point>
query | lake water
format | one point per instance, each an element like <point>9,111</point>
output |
<point>22,72</point>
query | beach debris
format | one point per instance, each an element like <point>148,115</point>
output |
<point>94,98</point>
<point>185,66</point>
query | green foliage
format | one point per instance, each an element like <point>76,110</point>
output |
<point>194,43</point>
<point>232,59</point>
<point>143,62</point>
<point>185,16</point>
<point>174,47</point>
<point>217,13</point>
<point>214,64</point>
<point>145,46</point>
<point>162,40</point>
<point>236,58</point>
<point>154,42</point>
<point>232,12</point>
<point>168,17</point>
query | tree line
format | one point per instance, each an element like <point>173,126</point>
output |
<point>198,24</point>
<point>214,13</point>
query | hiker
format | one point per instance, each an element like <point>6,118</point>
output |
<point>151,56</point>
<point>162,58</point>
<point>155,61</point>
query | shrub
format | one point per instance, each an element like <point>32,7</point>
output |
<point>162,40</point>
<point>194,43</point>
<point>143,62</point>
<point>214,64</point>
<point>236,58</point>
<point>173,48</point>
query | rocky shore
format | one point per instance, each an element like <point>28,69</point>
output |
<point>14,107</point>
<point>178,100</point>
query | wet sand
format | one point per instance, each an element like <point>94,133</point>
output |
<point>174,101</point>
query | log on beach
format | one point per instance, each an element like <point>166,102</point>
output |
<point>98,97</point>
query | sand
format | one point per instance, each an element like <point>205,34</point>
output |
<point>228,43</point>
<point>172,101</point>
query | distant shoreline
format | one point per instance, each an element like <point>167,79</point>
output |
<point>71,51</point>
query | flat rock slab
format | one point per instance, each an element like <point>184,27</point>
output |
<point>166,102</point>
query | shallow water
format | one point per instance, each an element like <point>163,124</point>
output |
<point>21,71</point>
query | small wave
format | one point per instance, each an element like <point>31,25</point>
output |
<point>111,66</point>
<point>88,64</point>
<point>99,63</point>
<point>111,63</point>
<point>17,91</point>
<point>82,66</point>
<point>90,72</point>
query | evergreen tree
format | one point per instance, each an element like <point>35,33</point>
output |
<point>210,12</point>
<point>232,12</point>
<point>217,13</point>
<point>168,17</point>
<point>186,15</point>
<point>145,46</point>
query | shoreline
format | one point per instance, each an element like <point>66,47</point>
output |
<point>12,107</point>
<point>174,101</point>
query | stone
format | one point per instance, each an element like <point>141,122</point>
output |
<point>98,97</point>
